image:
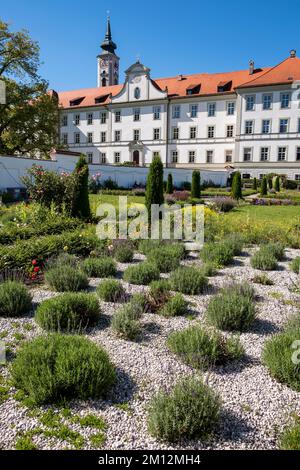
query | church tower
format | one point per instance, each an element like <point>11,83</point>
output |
<point>108,61</point>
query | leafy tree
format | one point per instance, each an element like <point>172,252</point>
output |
<point>29,118</point>
<point>155,184</point>
<point>277,184</point>
<point>255,184</point>
<point>264,187</point>
<point>81,204</point>
<point>236,188</point>
<point>196,190</point>
<point>170,187</point>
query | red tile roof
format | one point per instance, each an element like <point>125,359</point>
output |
<point>286,72</point>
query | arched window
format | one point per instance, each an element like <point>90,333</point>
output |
<point>103,81</point>
<point>137,93</point>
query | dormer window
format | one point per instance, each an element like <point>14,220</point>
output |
<point>137,93</point>
<point>76,101</point>
<point>193,89</point>
<point>224,86</point>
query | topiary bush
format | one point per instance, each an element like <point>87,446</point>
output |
<point>188,280</point>
<point>141,274</point>
<point>66,278</point>
<point>111,290</point>
<point>236,188</point>
<point>295,265</point>
<point>190,410</point>
<point>220,254</point>
<point>15,300</point>
<point>233,309</point>
<point>170,187</point>
<point>201,347</point>
<point>264,187</point>
<point>196,185</point>
<point>278,357</point>
<point>71,312</point>
<point>99,267</point>
<point>175,306</point>
<point>155,185</point>
<point>55,367</point>
<point>264,260</point>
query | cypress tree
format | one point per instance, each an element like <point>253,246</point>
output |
<point>277,184</point>
<point>270,182</point>
<point>264,187</point>
<point>255,184</point>
<point>81,203</point>
<point>236,188</point>
<point>196,181</point>
<point>155,185</point>
<point>170,187</point>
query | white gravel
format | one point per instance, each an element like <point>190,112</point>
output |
<point>255,407</point>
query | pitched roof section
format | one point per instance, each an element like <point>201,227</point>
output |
<point>284,73</point>
<point>209,84</point>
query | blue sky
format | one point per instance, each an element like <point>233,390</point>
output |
<point>170,37</point>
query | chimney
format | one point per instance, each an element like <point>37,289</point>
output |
<point>180,78</point>
<point>251,67</point>
<point>293,53</point>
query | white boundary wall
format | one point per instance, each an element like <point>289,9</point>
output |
<point>13,168</point>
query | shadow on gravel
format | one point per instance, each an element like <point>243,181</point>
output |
<point>235,367</point>
<point>150,329</point>
<point>124,389</point>
<point>234,427</point>
<point>264,327</point>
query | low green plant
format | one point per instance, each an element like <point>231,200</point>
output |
<point>145,246</point>
<point>233,309</point>
<point>276,249</point>
<point>166,258</point>
<point>141,274</point>
<point>159,293</point>
<point>209,269</point>
<point>71,312</point>
<point>91,421</point>
<point>66,279</point>
<point>188,280</point>
<point>49,369</point>
<point>278,357</point>
<point>99,267</point>
<point>175,306</point>
<point>190,410</point>
<point>202,347</point>
<point>64,433</point>
<point>98,440</point>
<point>262,279</point>
<point>126,324</point>
<point>15,300</point>
<point>111,290</point>
<point>295,265</point>
<point>139,302</point>
<point>290,438</point>
<point>220,254</point>
<point>63,259</point>
<point>293,322</point>
<point>25,443</point>
<point>264,261</point>
<point>124,254</point>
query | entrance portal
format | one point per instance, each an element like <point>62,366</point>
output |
<point>136,157</point>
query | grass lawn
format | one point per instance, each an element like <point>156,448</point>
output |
<point>270,214</point>
<point>97,199</point>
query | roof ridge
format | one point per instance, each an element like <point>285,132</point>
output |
<point>266,72</point>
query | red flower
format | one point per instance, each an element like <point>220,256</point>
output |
<point>34,262</point>
<point>36,269</point>
<point>33,276</point>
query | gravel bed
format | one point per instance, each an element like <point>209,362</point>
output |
<point>255,408</point>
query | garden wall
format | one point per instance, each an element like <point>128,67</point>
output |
<point>13,168</point>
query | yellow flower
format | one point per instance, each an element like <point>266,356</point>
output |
<point>66,248</point>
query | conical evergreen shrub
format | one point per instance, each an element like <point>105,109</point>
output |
<point>170,187</point>
<point>196,181</point>
<point>236,188</point>
<point>81,204</point>
<point>264,187</point>
<point>155,185</point>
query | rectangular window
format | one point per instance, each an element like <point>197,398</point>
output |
<point>211,109</point>
<point>103,118</point>
<point>248,127</point>
<point>192,155</point>
<point>103,137</point>
<point>64,120</point>
<point>281,154</point>
<point>176,112</point>
<point>175,133</point>
<point>267,102</point>
<point>89,137</point>
<point>285,100</point>
<point>229,131</point>
<point>155,154</point>
<point>247,154</point>
<point>211,132</point>
<point>193,132</point>
<point>174,156</point>
<point>117,136</point>
<point>90,157</point>
<point>118,116</point>
<point>297,177</point>
<point>209,156</point>
<point>298,154</point>
<point>64,139</point>
<point>136,114</point>
<point>250,103</point>
<point>266,126</point>
<point>89,118</point>
<point>117,157</point>
<point>231,108</point>
<point>156,113</point>
<point>299,125</point>
<point>283,126</point>
<point>264,154</point>
<point>156,134</point>
<point>194,110</point>
<point>103,158</point>
<point>77,119</point>
<point>136,134</point>
<point>228,156</point>
<point>77,138</point>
